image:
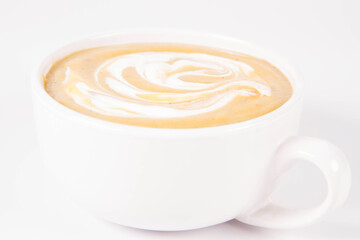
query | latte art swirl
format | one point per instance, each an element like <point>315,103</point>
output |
<point>115,95</point>
<point>158,85</point>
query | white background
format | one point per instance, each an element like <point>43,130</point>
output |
<point>320,38</point>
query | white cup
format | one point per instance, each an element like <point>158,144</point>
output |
<point>178,179</point>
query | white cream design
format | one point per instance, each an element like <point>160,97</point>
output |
<point>220,80</point>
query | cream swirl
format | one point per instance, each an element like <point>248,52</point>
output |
<point>164,84</point>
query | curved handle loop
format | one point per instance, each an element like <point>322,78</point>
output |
<point>332,163</point>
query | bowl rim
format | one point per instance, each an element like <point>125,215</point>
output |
<point>39,91</point>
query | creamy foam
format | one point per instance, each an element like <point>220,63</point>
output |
<point>167,85</point>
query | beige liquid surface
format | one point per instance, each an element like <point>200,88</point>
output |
<point>167,85</point>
